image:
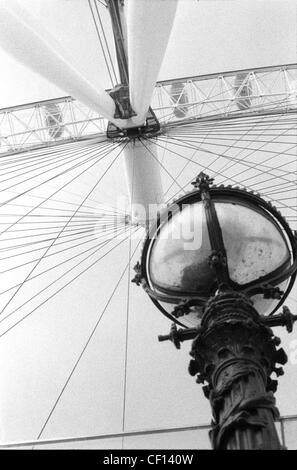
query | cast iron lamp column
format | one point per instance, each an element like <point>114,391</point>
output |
<point>219,291</point>
<point>235,354</point>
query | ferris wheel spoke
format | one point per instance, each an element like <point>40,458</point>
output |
<point>234,146</point>
<point>79,232</point>
<point>20,160</point>
<point>111,233</point>
<point>246,136</point>
<point>260,168</point>
<point>93,263</point>
<point>106,208</point>
<point>72,237</point>
<point>35,157</point>
<point>237,126</point>
<point>253,129</point>
<point>181,155</point>
<point>85,346</point>
<point>237,182</point>
<point>61,231</point>
<point>190,160</point>
<point>130,256</point>
<point>247,132</point>
<point>233,161</point>
<point>259,149</point>
<point>93,6</point>
<point>116,230</point>
<point>281,191</point>
<point>18,195</point>
<point>161,164</point>
<point>82,158</point>
<point>204,137</point>
<point>30,169</point>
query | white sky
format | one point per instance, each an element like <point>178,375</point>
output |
<point>208,36</point>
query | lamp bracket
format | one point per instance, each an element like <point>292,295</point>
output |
<point>183,308</point>
<point>177,336</point>
<point>271,292</point>
<point>138,276</point>
<point>286,318</point>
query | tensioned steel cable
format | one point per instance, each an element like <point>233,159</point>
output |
<point>96,249</point>
<point>231,131</point>
<point>241,137</point>
<point>250,165</point>
<point>84,213</point>
<point>101,44</point>
<point>205,136</point>
<point>53,194</point>
<point>56,217</point>
<point>261,165</point>
<point>102,3</point>
<point>212,141</point>
<point>70,237</point>
<point>116,231</point>
<point>49,179</point>
<point>85,346</point>
<point>203,167</point>
<point>284,132</point>
<point>104,207</point>
<point>44,225</point>
<point>267,169</point>
<point>36,166</point>
<point>105,40</point>
<point>128,303</point>
<point>61,288</point>
<point>83,227</point>
<point>276,154</point>
<point>79,222</point>
<point>68,145</point>
<point>280,191</point>
<point>74,237</point>
<point>109,232</point>
<point>186,139</point>
<point>51,254</point>
<point>82,154</point>
<point>233,123</point>
<point>157,142</point>
<point>157,160</point>
<point>34,155</point>
<point>61,231</point>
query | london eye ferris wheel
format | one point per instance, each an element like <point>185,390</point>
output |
<point>80,174</point>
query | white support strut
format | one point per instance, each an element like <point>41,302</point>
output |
<point>149,25</point>
<point>143,180</point>
<point>23,37</point>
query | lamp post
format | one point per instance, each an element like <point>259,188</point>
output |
<point>220,262</point>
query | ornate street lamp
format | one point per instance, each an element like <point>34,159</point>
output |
<point>219,262</point>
